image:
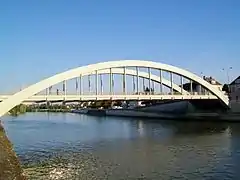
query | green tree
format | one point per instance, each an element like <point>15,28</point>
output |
<point>226,88</point>
<point>19,109</point>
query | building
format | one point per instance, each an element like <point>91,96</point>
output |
<point>235,89</point>
<point>197,89</point>
<point>214,82</point>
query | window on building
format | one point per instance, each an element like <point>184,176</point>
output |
<point>237,81</point>
<point>232,89</point>
<point>237,98</point>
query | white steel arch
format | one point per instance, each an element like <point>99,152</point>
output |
<point>19,97</point>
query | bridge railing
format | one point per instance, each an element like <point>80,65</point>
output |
<point>114,97</point>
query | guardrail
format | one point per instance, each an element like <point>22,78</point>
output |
<point>110,97</point>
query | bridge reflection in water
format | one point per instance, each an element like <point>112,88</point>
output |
<point>87,147</point>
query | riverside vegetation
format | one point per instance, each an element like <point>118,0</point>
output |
<point>22,108</point>
<point>19,109</point>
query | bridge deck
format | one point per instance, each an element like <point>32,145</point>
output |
<point>110,97</point>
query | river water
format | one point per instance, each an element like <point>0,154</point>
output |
<point>73,146</point>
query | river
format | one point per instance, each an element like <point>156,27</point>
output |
<point>73,146</point>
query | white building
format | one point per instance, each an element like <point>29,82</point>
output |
<point>197,89</point>
<point>214,82</point>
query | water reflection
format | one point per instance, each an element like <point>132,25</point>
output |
<point>176,128</point>
<point>71,146</point>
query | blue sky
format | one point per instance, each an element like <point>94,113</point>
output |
<point>41,38</point>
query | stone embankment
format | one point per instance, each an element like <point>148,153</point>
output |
<point>10,168</point>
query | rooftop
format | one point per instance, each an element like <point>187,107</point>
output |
<point>236,81</point>
<point>211,80</point>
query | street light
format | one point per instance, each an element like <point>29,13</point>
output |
<point>228,70</point>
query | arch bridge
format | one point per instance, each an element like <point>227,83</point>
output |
<point>134,80</point>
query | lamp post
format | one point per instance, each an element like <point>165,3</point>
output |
<point>228,71</point>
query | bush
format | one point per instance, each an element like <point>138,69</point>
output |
<point>19,109</point>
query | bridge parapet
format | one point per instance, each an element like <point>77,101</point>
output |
<point>110,97</point>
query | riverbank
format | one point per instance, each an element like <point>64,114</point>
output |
<point>176,110</point>
<point>21,109</point>
<point>231,117</point>
<point>51,110</point>
<point>9,165</point>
